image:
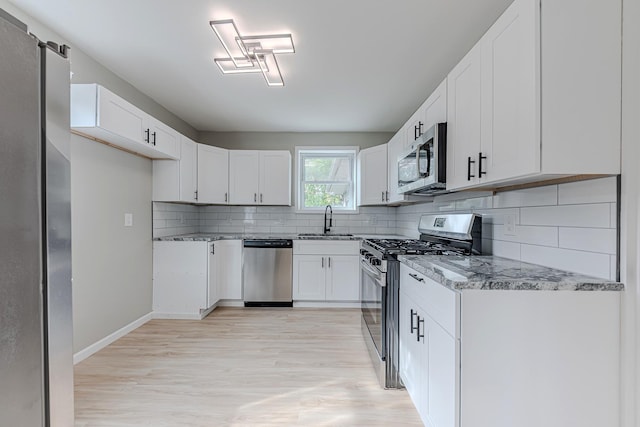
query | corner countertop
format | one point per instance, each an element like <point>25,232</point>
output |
<point>209,237</point>
<point>495,273</point>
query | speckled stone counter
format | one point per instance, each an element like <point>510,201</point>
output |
<point>209,237</point>
<point>489,272</point>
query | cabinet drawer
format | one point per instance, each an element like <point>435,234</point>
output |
<point>326,247</point>
<point>440,303</point>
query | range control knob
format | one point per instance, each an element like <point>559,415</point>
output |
<point>363,251</point>
<point>375,261</point>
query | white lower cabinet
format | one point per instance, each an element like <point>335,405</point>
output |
<point>228,269</point>
<point>183,274</point>
<point>504,358</point>
<point>326,271</point>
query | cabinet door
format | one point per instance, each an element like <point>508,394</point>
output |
<point>440,375</point>
<point>212,285</point>
<point>228,269</point>
<point>309,277</point>
<point>372,169</point>
<point>275,178</point>
<point>243,177</point>
<point>121,118</point>
<point>163,138</point>
<point>410,356</point>
<point>343,278</point>
<point>188,171</point>
<point>510,102</point>
<point>435,107</point>
<point>463,120</point>
<point>413,127</point>
<point>213,174</point>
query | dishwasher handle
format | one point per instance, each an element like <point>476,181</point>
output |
<point>268,244</point>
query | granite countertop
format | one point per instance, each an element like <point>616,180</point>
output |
<point>490,272</point>
<point>209,237</point>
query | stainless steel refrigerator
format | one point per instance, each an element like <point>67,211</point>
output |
<point>36,352</point>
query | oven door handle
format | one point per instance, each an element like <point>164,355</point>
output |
<point>373,274</point>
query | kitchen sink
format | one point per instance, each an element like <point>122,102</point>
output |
<point>323,236</point>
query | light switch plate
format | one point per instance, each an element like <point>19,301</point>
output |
<point>128,220</point>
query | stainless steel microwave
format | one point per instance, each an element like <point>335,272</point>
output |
<point>422,168</point>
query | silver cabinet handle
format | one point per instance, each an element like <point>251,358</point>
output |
<point>226,198</point>
<point>322,262</point>
<point>154,138</point>
<point>386,196</point>
<point>260,197</point>
<point>255,197</point>
<point>146,136</point>
<point>212,250</point>
<point>415,276</point>
<point>329,262</point>
<point>195,194</point>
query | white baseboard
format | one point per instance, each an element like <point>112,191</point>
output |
<point>326,304</point>
<point>99,345</point>
<point>230,303</point>
<point>177,316</point>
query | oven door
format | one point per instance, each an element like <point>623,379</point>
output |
<point>373,305</point>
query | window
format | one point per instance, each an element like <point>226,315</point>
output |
<point>326,176</point>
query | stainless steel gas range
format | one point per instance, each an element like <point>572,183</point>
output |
<point>449,234</point>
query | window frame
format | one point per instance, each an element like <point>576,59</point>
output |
<point>327,151</point>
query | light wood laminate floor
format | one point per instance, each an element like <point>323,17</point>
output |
<point>240,367</point>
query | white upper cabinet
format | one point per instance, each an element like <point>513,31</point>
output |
<point>372,176</point>
<point>431,112</point>
<point>213,175</point>
<point>99,113</point>
<point>463,120</point>
<point>175,180</point>
<point>434,109</point>
<point>275,178</point>
<point>259,177</point>
<point>537,99</point>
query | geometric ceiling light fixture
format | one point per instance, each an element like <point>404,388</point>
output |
<point>251,54</point>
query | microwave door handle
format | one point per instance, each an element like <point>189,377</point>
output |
<point>428,160</point>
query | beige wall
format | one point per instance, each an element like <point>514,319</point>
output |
<point>112,264</point>
<point>289,140</point>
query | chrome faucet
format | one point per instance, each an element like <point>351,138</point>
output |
<point>327,229</point>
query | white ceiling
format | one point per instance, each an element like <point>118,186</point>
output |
<point>360,65</point>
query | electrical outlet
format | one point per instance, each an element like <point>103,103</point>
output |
<point>128,220</point>
<point>510,225</point>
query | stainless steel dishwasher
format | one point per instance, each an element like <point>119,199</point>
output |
<point>267,273</point>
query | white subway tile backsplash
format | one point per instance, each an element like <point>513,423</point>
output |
<point>475,203</point>
<point>589,239</point>
<point>603,190</point>
<point>589,263</point>
<point>506,249</point>
<point>587,215</point>
<point>539,196</point>
<point>570,226</point>
<point>534,235</point>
